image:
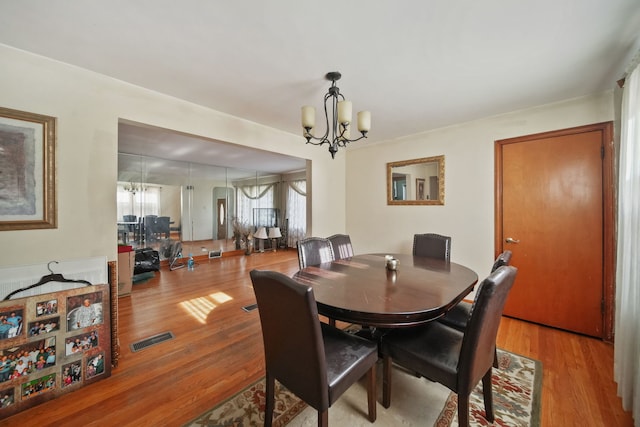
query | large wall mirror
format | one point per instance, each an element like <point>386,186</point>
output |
<point>172,194</point>
<point>416,181</point>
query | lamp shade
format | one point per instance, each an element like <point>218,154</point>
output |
<point>364,121</point>
<point>274,233</point>
<point>261,233</point>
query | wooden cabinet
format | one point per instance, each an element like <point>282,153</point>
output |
<point>126,262</point>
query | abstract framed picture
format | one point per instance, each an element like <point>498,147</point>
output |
<point>27,163</point>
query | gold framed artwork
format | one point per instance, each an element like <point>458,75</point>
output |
<point>28,179</point>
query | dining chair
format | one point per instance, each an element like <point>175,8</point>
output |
<point>314,251</point>
<point>432,245</point>
<point>457,360</point>
<point>341,246</point>
<point>313,360</point>
<point>459,315</point>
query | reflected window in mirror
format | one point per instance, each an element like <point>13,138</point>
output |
<point>416,181</point>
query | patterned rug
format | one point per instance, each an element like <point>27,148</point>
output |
<point>414,401</point>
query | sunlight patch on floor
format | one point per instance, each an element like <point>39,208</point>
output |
<point>199,308</point>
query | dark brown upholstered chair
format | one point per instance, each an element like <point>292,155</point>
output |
<point>341,246</point>
<point>459,315</point>
<point>313,360</point>
<point>432,245</point>
<point>314,251</point>
<point>455,359</point>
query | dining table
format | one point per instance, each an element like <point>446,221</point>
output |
<point>362,290</point>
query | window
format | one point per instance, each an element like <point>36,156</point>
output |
<point>296,211</point>
<point>145,200</point>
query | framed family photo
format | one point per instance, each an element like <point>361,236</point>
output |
<point>53,343</point>
<point>28,179</point>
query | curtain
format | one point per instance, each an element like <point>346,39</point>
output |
<point>627,319</point>
<point>254,196</point>
<point>296,212</point>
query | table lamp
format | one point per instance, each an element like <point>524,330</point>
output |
<point>274,234</point>
<point>261,234</point>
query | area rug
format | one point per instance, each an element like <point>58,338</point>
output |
<point>414,402</point>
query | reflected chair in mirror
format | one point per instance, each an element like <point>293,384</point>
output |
<point>432,245</point>
<point>457,360</point>
<point>459,315</point>
<point>313,360</point>
<point>314,251</point>
<point>132,228</point>
<point>341,246</point>
<point>149,228</point>
<point>161,229</point>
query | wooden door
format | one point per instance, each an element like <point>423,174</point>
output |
<point>552,191</point>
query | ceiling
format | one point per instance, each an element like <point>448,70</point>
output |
<point>416,65</point>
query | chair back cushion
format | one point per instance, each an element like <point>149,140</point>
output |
<point>314,251</point>
<point>432,245</point>
<point>341,246</point>
<point>478,345</point>
<point>293,345</point>
<point>503,259</point>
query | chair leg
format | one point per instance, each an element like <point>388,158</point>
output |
<point>270,399</point>
<point>386,381</point>
<point>323,418</point>
<point>371,393</point>
<point>495,358</point>
<point>332,322</point>
<point>488,396</point>
<point>463,410</point>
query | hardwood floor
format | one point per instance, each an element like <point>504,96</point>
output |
<point>217,350</point>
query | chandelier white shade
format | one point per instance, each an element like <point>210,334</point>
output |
<point>338,114</point>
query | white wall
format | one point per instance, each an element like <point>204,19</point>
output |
<point>468,213</point>
<point>88,106</point>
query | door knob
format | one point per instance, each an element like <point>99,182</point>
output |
<point>511,240</point>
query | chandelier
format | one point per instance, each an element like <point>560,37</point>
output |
<point>338,132</point>
<point>133,188</point>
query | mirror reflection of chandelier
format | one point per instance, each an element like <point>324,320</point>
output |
<point>337,114</point>
<point>134,188</point>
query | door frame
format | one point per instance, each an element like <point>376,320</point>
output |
<point>608,212</point>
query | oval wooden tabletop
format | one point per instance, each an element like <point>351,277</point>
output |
<point>361,289</point>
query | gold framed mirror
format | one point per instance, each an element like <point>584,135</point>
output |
<point>416,181</point>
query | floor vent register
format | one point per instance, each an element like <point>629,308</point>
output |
<point>148,342</point>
